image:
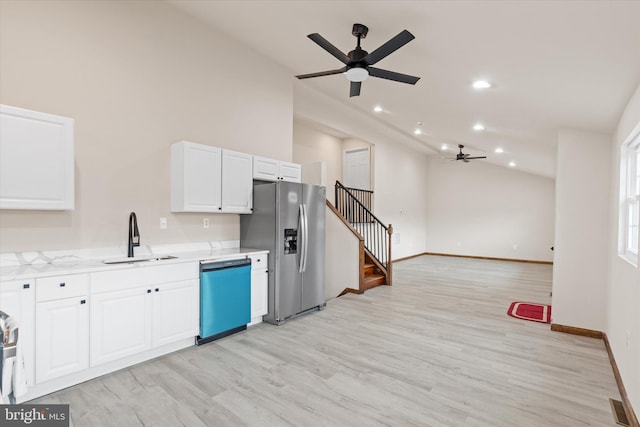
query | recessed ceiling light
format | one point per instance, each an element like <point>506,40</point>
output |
<point>418,131</point>
<point>377,109</point>
<point>499,150</point>
<point>481,84</point>
<point>478,127</point>
<point>444,147</point>
<point>512,164</point>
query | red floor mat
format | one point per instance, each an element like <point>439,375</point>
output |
<point>530,311</point>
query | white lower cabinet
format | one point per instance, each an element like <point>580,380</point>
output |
<point>62,326</point>
<point>148,308</point>
<point>120,324</point>
<point>17,299</point>
<point>259,287</point>
<point>175,312</point>
<point>62,336</point>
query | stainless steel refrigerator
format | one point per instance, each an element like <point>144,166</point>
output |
<point>288,219</point>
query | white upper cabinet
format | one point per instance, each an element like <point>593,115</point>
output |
<point>196,181</point>
<point>291,172</point>
<point>210,179</point>
<point>36,160</point>
<point>237,182</point>
<point>276,170</point>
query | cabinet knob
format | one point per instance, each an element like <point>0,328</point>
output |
<point>220,208</point>
<point>157,289</point>
<point>26,286</point>
<point>83,301</point>
<point>148,291</point>
<point>62,285</point>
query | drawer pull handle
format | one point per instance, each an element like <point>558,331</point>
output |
<point>83,301</point>
<point>62,285</point>
<point>25,286</point>
<point>148,291</point>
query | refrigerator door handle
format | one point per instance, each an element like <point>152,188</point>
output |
<point>301,238</point>
<point>306,238</point>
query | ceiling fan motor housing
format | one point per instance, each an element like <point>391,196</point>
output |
<point>360,31</point>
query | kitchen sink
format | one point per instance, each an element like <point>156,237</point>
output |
<point>136,259</point>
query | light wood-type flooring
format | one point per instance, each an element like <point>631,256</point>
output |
<point>436,349</point>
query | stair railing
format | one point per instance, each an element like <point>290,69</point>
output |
<point>377,236</point>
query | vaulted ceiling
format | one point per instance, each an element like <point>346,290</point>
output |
<point>552,64</point>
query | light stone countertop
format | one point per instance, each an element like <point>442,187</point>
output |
<point>31,265</point>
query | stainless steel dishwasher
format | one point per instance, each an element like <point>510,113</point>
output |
<point>225,298</point>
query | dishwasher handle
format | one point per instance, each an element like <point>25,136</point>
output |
<point>220,265</point>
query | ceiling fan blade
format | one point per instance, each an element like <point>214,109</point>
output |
<point>389,47</point>
<point>392,75</point>
<point>355,89</point>
<point>481,157</point>
<point>322,73</point>
<point>326,45</point>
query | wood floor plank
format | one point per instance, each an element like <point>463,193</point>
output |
<point>436,349</point>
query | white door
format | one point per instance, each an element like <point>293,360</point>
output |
<point>175,311</point>
<point>62,334</point>
<point>357,169</point>
<point>120,324</point>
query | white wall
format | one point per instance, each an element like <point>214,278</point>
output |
<point>398,165</point>
<point>480,209</point>
<point>311,146</point>
<point>136,76</point>
<point>400,198</point>
<point>582,237</point>
<point>342,258</point>
<point>623,284</point>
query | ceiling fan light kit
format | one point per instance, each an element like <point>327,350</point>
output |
<point>358,63</point>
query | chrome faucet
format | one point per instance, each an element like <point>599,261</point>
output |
<point>134,234</point>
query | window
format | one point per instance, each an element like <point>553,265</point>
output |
<point>630,197</point>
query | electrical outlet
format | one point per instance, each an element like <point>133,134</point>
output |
<point>458,244</point>
<point>205,222</point>
<point>163,223</point>
<point>515,246</point>
<point>628,343</point>
<point>397,238</point>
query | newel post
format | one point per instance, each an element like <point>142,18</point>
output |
<point>389,264</point>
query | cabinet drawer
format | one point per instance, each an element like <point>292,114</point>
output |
<point>59,287</point>
<point>259,262</point>
<point>127,278</point>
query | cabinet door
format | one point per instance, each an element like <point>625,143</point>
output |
<point>120,324</point>
<point>291,172</point>
<point>265,169</point>
<point>36,160</point>
<point>175,311</point>
<point>237,182</point>
<point>196,173</point>
<point>62,334</point>
<point>18,299</point>
<point>259,293</point>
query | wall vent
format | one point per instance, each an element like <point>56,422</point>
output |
<point>619,413</point>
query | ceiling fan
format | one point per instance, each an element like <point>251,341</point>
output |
<point>358,62</point>
<point>465,157</point>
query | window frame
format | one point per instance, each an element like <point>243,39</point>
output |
<point>629,214</point>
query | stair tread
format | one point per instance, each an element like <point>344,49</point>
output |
<point>373,281</point>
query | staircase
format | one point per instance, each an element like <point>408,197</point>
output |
<point>354,208</point>
<point>373,276</point>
